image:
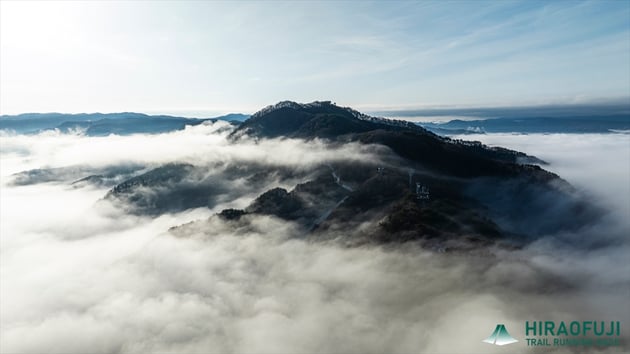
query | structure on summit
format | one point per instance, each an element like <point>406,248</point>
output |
<point>422,192</point>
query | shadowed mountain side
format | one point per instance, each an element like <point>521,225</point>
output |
<point>176,187</point>
<point>77,175</point>
<point>531,208</point>
<point>457,158</point>
<point>168,188</point>
<point>362,203</point>
<point>385,208</point>
<point>305,204</point>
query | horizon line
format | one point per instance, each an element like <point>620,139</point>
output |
<point>404,110</point>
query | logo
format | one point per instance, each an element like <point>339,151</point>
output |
<point>574,333</point>
<point>500,336</point>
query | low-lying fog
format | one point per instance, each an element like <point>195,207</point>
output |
<point>79,276</point>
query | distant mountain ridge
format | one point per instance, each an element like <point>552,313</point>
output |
<point>580,124</point>
<point>99,124</point>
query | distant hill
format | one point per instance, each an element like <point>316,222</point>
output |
<point>100,124</point>
<point>579,124</point>
<point>234,117</point>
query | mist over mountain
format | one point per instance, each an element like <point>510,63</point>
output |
<point>340,232</point>
<point>412,185</point>
<point>418,186</point>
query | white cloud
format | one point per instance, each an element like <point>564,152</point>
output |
<point>122,284</point>
<point>205,143</point>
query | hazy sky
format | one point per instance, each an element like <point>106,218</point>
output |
<point>195,58</point>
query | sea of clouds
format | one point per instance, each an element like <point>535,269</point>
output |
<point>81,276</point>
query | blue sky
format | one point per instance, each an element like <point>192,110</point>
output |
<point>197,58</point>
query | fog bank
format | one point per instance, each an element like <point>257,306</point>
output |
<point>80,276</point>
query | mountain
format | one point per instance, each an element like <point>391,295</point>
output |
<point>321,119</point>
<point>78,175</point>
<point>412,186</point>
<point>342,124</point>
<point>445,194</point>
<point>179,186</point>
<point>233,117</point>
<point>99,124</point>
<point>579,124</point>
<point>126,126</point>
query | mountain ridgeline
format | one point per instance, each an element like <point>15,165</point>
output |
<point>416,186</point>
<point>341,124</point>
<point>103,124</point>
<point>545,125</point>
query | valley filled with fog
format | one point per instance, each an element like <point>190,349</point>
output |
<point>81,273</point>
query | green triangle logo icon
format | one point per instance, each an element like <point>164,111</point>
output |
<point>500,336</point>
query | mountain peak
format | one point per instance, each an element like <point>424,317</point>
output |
<point>292,105</point>
<point>326,120</point>
<point>316,119</point>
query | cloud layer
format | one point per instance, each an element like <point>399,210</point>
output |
<point>83,277</point>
